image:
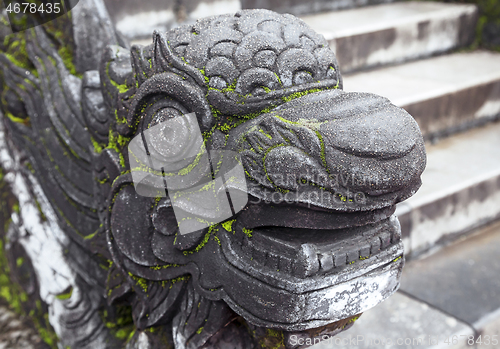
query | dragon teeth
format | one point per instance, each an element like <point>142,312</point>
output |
<point>385,239</point>
<point>364,251</point>
<point>272,261</point>
<point>309,259</point>
<point>326,262</point>
<point>375,245</point>
<point>259,256</point>
<point>285,265</point>
<point>340,259</point>
<point>307,263</point>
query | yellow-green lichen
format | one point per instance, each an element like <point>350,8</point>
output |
<point>141,282</point>
<point>247,232</point>
<point>65,295</point>
<point>120,323</point>
<point>228,225</point>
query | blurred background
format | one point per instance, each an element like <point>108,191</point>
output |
<point>441,62</point>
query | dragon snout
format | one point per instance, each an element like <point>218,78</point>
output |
<point>359,142</point>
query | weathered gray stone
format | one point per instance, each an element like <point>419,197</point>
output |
<point>460,191</point>
<point>396,32</point>
<point>461,280</point>
<point>402,322</point>
<point>442,101</point>
<point>297,7</point>
<point>137,20</point>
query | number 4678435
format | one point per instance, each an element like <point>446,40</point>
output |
<point>30,7</point>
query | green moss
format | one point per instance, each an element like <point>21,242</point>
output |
<point>488,22</point>
<point>212,230</point>
<point>120,323</point>
<point>300,94</point>
<point>353,319</point>
<point>248,232</point>
<point>228,225</point>
<point>161,267</point>
<point>122,88</point>
<point>15,51</point>
<point>192,165</point>
<point>172,282</point>
<point>12,292</point>
<point>217,240</point>
<point>323,153</point>
<point>202,71</point>
<point>39,208</point>
<point>142,283</point>
<point>66,55</point>
<point>66,295</point>
<point>17,120</point>
<point>116,142</point>
<point>265,134</point>
<point>397,259</point>
<point>272,339</point>
<point>43,326</point>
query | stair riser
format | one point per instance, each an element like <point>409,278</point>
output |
<point>444,94</point>
<point>137,20</point>
<point>301,7</point>
<point>457,111</point>
<point>432,224</point>
<point>405,41</point>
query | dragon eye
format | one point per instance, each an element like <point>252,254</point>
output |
<point>161,109</point>
<point>164,114</point>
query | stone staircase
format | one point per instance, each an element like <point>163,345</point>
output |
<point>395,32</point>
<point>450,293</point>
<point>446,94</point>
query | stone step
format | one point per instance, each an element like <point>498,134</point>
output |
<point>460,191</point>
<point>395,32</point>
<point>15,333</point>
<point>136,20</point>
<point>462,280</point>
<point>444,94</point>
<point>301,7</point>
<point>445,301</point>
<point>401,322</point>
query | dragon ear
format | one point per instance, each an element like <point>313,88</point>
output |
<point>142,63</point>
<point>164,60</point>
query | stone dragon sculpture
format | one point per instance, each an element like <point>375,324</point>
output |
<point>110,266</point>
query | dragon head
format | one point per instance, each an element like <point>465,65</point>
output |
<point>315,241</point>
